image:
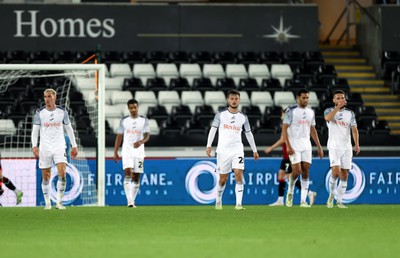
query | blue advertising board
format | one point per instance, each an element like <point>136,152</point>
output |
<point>191,181</point>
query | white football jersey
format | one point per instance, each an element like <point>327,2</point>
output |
<point>339,129</point>
<point>230,127</point>
<point>51,124</point>
<point>133,130</point>
<point>299,120</point>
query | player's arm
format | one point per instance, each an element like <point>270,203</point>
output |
<point>314,136</point>
<point>71,136</point>
<point>212,132</point>
<point>356,138</point>
<point>118,141</point>
<point>34,140</point>
<point>276,144</point>
<point>146,137</point>
<point>289,148</point>
<point>250,139</point>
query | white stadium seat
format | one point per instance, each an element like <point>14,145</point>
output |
<point>259,72</point>
<point>262,99</point>
<point>236,72</point>
<point>168,99</point>
<point>216,99</point>
<point>281,72</point>
<point>167,72</point>
<point>144,72</point>
<point>120,70</point>
<point>190,72</point>
<point>284,99</point>
<point>214,72</point>
<point>192,99</point>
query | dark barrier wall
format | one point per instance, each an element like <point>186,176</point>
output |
<point>373,39</point>
<point>158,27</point>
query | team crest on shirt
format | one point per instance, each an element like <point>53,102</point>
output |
<point>304,115</point>
<point>232,119</point>
<point>340,116</point>
<point>134,125</point>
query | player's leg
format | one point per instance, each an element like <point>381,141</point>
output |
<point>334,160</point>
<point>46,172</point>
<point>139,169</point>
<point>61,183</point>
<point>295,160</point>
<point>281,187</point>
<point>224,167</point>
<point>343,174</point>
<point>7,182</point>
<point>305,182</point>
<point>238,168</point>
<point>128,163</point>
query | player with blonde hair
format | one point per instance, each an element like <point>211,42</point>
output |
<point>50,121</point>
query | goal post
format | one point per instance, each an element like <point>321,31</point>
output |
<point>11,73</point>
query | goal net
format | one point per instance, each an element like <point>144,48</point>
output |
<point>80,89</point>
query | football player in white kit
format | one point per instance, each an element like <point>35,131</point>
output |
<point>230,154</point>
<point>50,121</point>
<point>298,125</point>
<point>340,120</point>
<point>135,132</point>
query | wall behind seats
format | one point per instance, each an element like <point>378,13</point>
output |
<point>166,27</point>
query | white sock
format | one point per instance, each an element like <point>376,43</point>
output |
<point>220,191</point>
<point>135,190</point>
<point>280,199</point>
<point>304,189</point>
<point>128,189</point>
<point>341,190</point>
<point>292,183</point>
<point>61,185</point>
<point>46,191</point>
<point>332,185</point>
<point>239,193</point>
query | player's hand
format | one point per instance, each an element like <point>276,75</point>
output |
<point>256,156</point>
<point>320,152</point>
<point>74,152</point>
<point>35,151</point>
<point>268,150</point>
<point>357,149</point>
<point>137,144</point>
<point>341,103</point>
<point>116,157</point>
<point>208,151</point>
<point>290,150</point>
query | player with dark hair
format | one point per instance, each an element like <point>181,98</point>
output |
<point>340,121</point>
<point>7,182</point>
<point>285,170</point>
<point>298,126</point>
<point>135,132</point>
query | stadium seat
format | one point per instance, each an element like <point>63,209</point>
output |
<point>313,100</point>
<point>259,72</point>
<point>83,83</point>
<point>253,114</point>
<point>236,72</point>
<point>146,97</point>
<point>201,57</point>
<point>216,99</point>
<point>181,115</point>
<point>179,84</point>
<point>7,127</point>
<point>225,84</point>
<point>153,126</point>
<point>284,99</point>
<point>191,99</point>
<point>40,57</point>
<point>133,84</point>
<point>114,83</point>
<point>281,72</point>
<point>244,99</point>
<point>120,97</point>
<point>224,58</point>
<point>64,57</point>
<point>202,85</point>
<point>120,70</point>
<point>158,113</point>
<point>214,72</point>
<point>190,72</point>
<point>155,57</point>
<point>178,57</point>
<point>144,72</point>
<point>168,99</point>
<point>262,99</point>
<point>114,111</point>
<point>156,84</point>
<point>114,124</point>
<point>271,85</point>
<point>246,58</point>
<point>248,85</point>
<point>167,72</point>
<point>204,115</point>
<point>133,57</point>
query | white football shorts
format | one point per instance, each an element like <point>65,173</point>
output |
<point>341,158</point>
<point>47,159</point>
<point>227,162</point>
<point>301,156</point>
<point>137,164</point>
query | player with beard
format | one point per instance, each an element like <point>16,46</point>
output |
<point>230,153</point>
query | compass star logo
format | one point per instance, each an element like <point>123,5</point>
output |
<point>281,35</point>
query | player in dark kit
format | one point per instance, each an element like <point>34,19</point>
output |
<point>7,182</point>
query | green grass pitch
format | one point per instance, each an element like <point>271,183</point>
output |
<point>201,231</point>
